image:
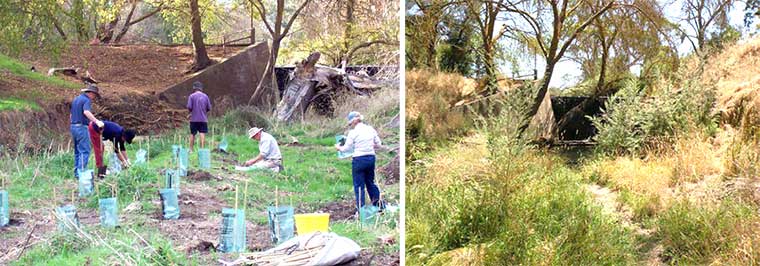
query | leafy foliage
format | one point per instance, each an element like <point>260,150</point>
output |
<point>632,119</point>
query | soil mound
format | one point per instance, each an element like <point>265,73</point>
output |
<point>200,176</point>
<point>145,113</point>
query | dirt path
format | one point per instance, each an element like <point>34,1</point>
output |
<point>608,199</point>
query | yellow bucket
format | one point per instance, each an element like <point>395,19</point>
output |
<point>311,222</point>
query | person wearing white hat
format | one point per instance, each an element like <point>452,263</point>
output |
<point>269,152</point>
<point>364,140</point>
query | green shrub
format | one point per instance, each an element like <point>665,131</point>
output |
<point>632,120</point>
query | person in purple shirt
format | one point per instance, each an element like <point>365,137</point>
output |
<point>199,105</point>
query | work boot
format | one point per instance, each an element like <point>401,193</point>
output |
<point>102,172</point>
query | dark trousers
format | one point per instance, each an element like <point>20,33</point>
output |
<point>363,171</point>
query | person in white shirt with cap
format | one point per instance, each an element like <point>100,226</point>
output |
<point>364,140</point>
<point>269,152</point>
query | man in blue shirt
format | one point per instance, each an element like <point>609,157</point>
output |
<point>81,115</point>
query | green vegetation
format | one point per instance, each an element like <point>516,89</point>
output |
<point>698,233</point>
<point>518,207</point>
<point>21,70</point>
<point>671,179</point>
<point>313,177</point>
<point>17,104</point>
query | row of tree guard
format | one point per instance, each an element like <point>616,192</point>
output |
<point>233,227</point>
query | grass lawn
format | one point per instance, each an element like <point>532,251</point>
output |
<point>312,179</point>
<point>22,70</point>
<point>9,104</point>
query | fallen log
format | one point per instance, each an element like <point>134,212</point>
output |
<point>72,72</point>
<point>68,71</point>
<point>317,85</point>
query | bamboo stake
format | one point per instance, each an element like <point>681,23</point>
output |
<point>236,197</point>
<point>276,212</point>
<point>167,178</point>
<point>147,156</point>
<point>160,184</point>
<point>245,196</point>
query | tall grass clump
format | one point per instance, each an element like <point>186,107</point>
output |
<point>641,183</point>
<point>518,205</point>
<point>743,153</point>
<point>378,109</point>
<point>540,216</point>
<point>243,118</point>
<point>430,98</point>
<point>634,120</point>
<point>699,233</point>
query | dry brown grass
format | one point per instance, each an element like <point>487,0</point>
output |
<point>378,109</point>
<point>693,158</point>
<point>736,77</point>
<point>466,160</point>
<point>429,99</point>
<point>644,177</point>
<point>747,251</point>
<point>690,168</point>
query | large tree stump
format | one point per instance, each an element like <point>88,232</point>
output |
<point>311,83</point>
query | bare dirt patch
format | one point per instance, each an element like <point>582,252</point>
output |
<point>367,257</point>
<point>338,210</point>
<point>200,176</point>
<point>140,111</point>
<point>197,230</point>
<point>24,230</point>
<point>130,68</point>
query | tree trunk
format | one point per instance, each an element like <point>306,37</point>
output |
<point>347,33</point>
<point>80,22</point>
<point>267,94</point>
<point>586,106</point>
<point>490,69</point>
<point>127,23</point>
<point>201,56</point>
<point>540,94</point>
<point>58,28</point>
<point>106,34</point>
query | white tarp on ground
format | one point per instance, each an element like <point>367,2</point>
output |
<point>315,249</point>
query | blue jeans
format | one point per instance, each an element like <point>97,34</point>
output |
<point>81,137</point>
<point>363,171</point>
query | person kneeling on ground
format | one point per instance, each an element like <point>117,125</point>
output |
<point>364,140</point>
<point>117,135</point>
<point>269,152</point>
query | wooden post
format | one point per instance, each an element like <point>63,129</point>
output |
<point>236,198</point>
